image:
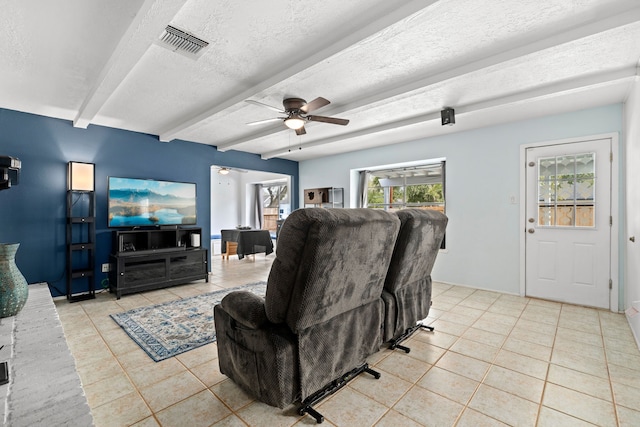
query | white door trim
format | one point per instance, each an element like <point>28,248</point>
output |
<point>614,295</point>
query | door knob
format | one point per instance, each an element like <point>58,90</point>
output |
<point>531,220</point>
<point>531,231</point>
<point>632,238</point>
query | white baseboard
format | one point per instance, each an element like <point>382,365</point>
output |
<point>633,317</point>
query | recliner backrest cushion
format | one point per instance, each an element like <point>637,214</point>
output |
<point>328,261</point>
<point>417,246</point>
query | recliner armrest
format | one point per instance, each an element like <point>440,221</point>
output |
<point>246,308</point>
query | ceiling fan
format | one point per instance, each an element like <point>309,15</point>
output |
<point>223,170</point>
<point>297,113</point>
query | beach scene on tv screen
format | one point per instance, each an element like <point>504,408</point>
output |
<point>142,202</point>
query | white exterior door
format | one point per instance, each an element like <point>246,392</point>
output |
<point>568,222</point>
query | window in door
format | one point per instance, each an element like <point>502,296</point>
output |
<point>566,196</point>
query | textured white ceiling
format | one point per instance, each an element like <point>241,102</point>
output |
<point>388,66</point>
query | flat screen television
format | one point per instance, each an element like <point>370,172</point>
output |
<point>148,202</point>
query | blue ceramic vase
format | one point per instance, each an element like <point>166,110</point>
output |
<point>13,286</point>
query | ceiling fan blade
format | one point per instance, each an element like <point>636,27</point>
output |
<point>261,104</point>
<point>314,105</point>
<point>260,122</point>
<point>301,131</point>
<point>332,120</point>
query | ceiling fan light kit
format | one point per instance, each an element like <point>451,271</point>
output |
<point>294,122</point>
<point>297,113</point>
<point>224,170</point>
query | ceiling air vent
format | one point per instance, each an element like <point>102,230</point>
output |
<point>182,42</point>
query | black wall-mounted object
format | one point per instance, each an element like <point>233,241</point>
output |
<point>448,116</point>
<point>9,171</point>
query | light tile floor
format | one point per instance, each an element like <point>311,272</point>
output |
<point>493,360</point>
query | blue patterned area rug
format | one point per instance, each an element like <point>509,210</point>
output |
<point>168,329</point>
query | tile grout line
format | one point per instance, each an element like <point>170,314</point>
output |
<point>458,338</point>
<point>601,335</point>
<point>546,377</point>
<point>137,389</point>
<point>475,391</point>
<point>126,373</point>
<point>606,361</point>
<point>465,406</point>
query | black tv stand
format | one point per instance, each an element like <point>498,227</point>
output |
<point>144,260</point>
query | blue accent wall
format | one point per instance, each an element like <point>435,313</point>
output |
<point>33,213</point>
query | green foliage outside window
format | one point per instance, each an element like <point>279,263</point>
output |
<point>430,193</point>
<point>375,193</point>
<point>420,194</point>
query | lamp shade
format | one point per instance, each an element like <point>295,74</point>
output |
<point>81,176</point>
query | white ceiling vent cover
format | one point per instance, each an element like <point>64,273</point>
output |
<point>182,42</point>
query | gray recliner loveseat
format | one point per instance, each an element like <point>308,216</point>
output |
<point>323,312</point>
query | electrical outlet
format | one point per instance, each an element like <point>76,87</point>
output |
<point>106,268</point>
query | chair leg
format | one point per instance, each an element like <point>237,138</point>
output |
<point>230,249</point>
<point>330,389</point>
<point>395,343</point>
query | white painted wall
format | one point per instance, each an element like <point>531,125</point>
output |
<point>225,201</point>
<point>482,176</point>
<point>231,196</point>
<point>247,193</point>
<point>632,172</point>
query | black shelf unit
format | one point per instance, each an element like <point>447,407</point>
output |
<point>81,243</point>
<point>144,260</point>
